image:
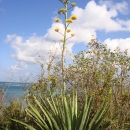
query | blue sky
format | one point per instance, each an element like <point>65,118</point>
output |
<point>27,28</point>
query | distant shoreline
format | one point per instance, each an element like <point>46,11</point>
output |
<point>14,82</point>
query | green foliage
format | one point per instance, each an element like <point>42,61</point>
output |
<point>62,113</point>
<point>103,74</point>
<point>14,110</point>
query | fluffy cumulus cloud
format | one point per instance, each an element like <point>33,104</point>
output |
<point>123,44</point>
<point>100,17</point>
<point>95,16</point>
<point>29,50</point>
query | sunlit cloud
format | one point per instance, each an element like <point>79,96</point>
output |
<point>95,16</point>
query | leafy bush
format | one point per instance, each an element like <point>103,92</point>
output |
<point>13,110</point>
<point>62,113</point>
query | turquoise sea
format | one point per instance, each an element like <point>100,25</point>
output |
<point>13,89</point>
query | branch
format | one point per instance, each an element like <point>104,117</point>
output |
<point>68,38</point>
<point>61,33</point>
<point>70,7</point>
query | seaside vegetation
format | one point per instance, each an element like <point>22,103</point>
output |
<point>91,93</point>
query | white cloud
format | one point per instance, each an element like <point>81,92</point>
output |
<point>27,50</point>
<point>94,17</point>
<point>123,44</point>
<point>19,66</point>
<point>124,23</point>
<point>121,7</point>
<point>98,17</point>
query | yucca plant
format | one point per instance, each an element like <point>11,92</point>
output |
<point>61,113</point>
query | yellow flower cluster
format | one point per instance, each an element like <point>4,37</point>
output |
<point>69,20</point>
<point>57,29</point>
<point>68,30</point>
<point>73,4</point>
<point>57,20</point>
<point>34,87</point>
<point>72,34</point>
<point>73,17</point>
<point>62,10</point>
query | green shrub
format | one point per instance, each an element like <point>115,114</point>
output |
<point>13,110</point>
<point>62,113</point>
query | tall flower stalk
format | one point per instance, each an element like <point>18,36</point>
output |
<point>67,21</point>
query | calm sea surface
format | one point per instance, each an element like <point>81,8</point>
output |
<point>13,89</point>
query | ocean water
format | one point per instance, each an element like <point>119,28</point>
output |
<point>13,89</point>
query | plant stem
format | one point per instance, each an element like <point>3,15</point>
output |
<point>63,51</point>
